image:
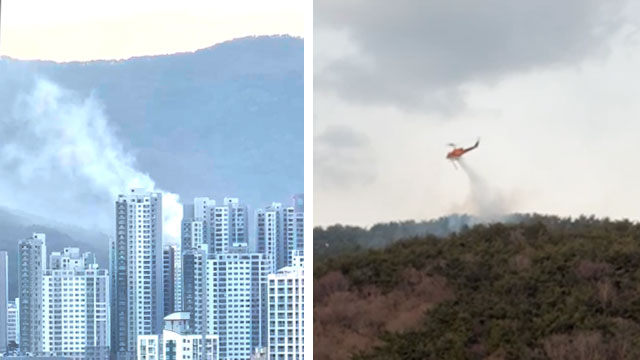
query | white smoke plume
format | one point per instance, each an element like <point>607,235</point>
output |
<point>61,160</point>
<point>484,201</point>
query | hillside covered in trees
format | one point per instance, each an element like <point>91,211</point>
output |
<point>339,240</point>
<point>541,288</point>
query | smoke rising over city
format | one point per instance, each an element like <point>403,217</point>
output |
<point>62,160</point>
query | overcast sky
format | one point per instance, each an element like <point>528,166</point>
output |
<point>552,89</point>
<point>65,30</point>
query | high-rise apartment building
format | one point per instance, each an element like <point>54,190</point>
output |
<point>13,324</point>
<point>32,259</point>
<point>270,236</point>
<point>293,229</point>
<point>229,227</point>
<point>70,258</point>
<point>196,243</point>
<point>203,208</point>
<point>177,278</point>
<point>75,305</point>
<point>223,227</point>
<point>4,298</point>
<point>194,286</point>
<point>169,278</point>
<point>136,269</point>
<point>298,206</point>
<point>195,224</point>
<point>286,311</point>
<point>237,300</point>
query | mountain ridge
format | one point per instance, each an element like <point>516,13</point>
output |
<point>225,121</point>
<point>245,95</point>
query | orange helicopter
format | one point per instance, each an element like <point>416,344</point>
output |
<point>457,153</point>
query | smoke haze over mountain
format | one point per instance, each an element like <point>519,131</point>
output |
<point>60,158</point>
<point>74,136</point>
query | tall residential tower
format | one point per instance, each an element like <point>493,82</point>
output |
<point>223,227</point>
<point>270,236</point>
<point>4,299</point>
<point>286,311</point>
<point>32,262</point>
<point>136,271</point>
<point>229,227</point>
<point>293,229</point>
<point>236,293</point>
<point>75,307</point>
<point>13,324</point>
<point>169,278</point>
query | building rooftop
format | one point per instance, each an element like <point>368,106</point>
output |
<point>288,270</point>
<point>183,315</point>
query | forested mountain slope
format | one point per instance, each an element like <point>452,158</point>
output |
<point>543,288</point>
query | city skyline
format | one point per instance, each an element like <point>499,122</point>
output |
<point>224,288</point>
<point>104,263</point>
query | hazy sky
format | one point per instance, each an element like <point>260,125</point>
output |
<point>552,89</point>
<point>67,30</point>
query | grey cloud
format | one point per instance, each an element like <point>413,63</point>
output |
<point>342,137</point>
<point>416,54</point>
<point>343,158</point>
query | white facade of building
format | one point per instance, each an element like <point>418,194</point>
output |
<point>229,227</point>
<point>297,258</point>
<point>155,347</point>
<point>286,312</point>
<point>75,318</point>
<point>13,321</point>
<point>70,258</point>
<point>269,234</point>
<point>149,347</point>
<point>293,232</point>
<point>4,299</point>
<point>236,291</point>
<point>177,342</point>
<point>194,233</point>
<point>202,207</point>
<point>177,262</point>
<point>223,227</point>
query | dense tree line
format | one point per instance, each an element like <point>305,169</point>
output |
<point>338,239</point>
<point>539,288</point>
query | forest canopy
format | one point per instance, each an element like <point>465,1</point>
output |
<point>536,287</point>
